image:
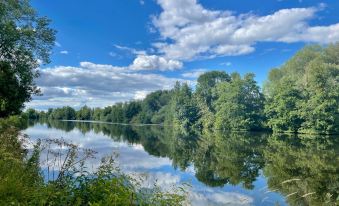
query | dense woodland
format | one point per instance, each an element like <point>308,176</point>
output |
<point>302,96</point>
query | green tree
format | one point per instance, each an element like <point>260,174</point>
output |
<point>64,113</point>
<point>25,38</point>
<point>84,113</point>
<point>240,104</point>
<point>205,96</point>
<point>303,95</point>
<point>183,106</point>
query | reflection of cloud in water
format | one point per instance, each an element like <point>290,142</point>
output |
<point>201,198</point>
<point>198,196</point>
<point>134,160</point>
<point>130,157</point>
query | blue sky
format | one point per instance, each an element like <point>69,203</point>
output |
<point>109,51</point>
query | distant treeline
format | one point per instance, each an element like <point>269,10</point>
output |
<point>302,96</point>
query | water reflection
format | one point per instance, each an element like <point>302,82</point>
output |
<point>235,168</point>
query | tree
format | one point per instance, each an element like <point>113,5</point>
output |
<point>84,113</point>
<point>240,104</point>
<point>206,82</point>
<point>204,95</point>
<point>184,109</point>
<point>282,110</point>
<point>64,113</point>
<point>131,110</point>
<point>303,95</point>
<point>25,39</point>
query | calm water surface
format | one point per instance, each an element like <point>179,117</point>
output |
<point>222,169</point>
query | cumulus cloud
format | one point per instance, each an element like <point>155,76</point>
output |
<point>95,85</point>
<point>64,52</point>
<point>145,61</point>
<point>154,62</point>
<point>190,31</point>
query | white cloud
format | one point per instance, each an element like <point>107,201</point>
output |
<point>95,85</point>
<point>130,50</point>
<point>191,31</point>
<point>154,62</point>
<point>64,52</point>
<point>194,73</point>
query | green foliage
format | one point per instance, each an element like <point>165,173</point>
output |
<point>205,97</point>
<point>24,38</point>
<point>85,113</point>
<point>183,106</point>
<point>64,113</point>
<point>207,82</point>
<point>303,95</point>
<point>239,105</point>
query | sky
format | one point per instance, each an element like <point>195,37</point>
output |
<point>110,51</point>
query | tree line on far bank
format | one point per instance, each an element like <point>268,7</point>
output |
<point>302,96</point>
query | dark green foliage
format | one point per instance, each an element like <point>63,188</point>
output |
<point>64,113</point>
<point>12,93</point>
<point>85,113</point>
<point>24,38</point>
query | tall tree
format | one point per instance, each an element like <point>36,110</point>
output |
<point>240,104</point>
<point>205,96</point>
<point>25,40</point>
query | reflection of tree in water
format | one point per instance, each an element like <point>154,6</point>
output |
<point>62,125</point>
<point>154,140</point>
<point>232,158</point>
<point>184,146</point>
<point>303,169</point>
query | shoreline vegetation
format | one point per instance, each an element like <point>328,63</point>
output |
<point>23,179</point>
<point>302,96</point>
